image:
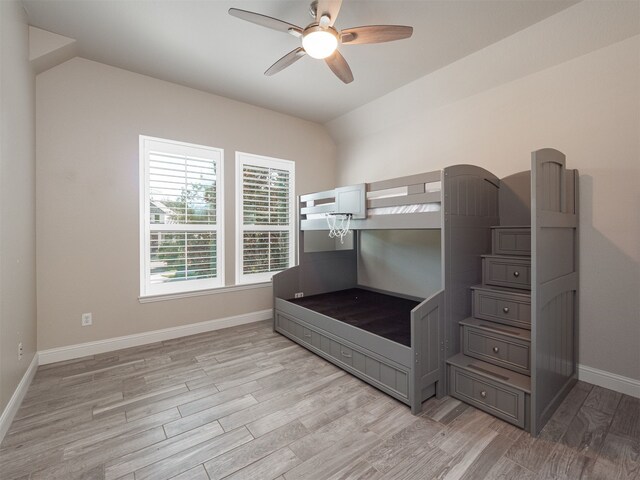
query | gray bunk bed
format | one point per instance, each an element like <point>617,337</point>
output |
<point>396,342</point>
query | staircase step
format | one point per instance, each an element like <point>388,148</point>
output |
<point>491,372</point>
<point>523,258</point>
<point>515,292</point>
<point>498,391</point>
<point>500,345</point>
<point>497,328</point>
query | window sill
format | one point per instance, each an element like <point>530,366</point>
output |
<point>198,293</point>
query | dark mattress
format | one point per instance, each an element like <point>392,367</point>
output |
<point>384,315</point>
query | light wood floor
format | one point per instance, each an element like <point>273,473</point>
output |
<point>247,403</point>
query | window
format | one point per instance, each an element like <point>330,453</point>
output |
<point>265,217</point>
<point>181,217</point>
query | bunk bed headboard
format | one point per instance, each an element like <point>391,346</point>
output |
<point>470,209</point>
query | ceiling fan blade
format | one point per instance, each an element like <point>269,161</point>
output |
<point>340,67</point>
<point>375,34</point>
<point>329,8</point>
<point>289,59</point>
<point>265,21</point>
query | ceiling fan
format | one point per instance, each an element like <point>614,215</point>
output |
<point>320,39</point>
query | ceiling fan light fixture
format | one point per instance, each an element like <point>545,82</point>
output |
<point>320,39</point>
<point>319,42</point>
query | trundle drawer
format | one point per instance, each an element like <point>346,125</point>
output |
<point>511,241</point>
<point>502,307</point>
<point>383,373</point>
<point>493,397</point>
<point>506,272</point>
<point>292,327</point>
<point>501,350</point>
<point>340,352</point>
<point>374,370</point>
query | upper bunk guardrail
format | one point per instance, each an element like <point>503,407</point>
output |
<point>413,198</point>
<point>408,181</point>
<point>318,202</point>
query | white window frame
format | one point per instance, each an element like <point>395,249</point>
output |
<point>186,286</point>
<point>265,162</point>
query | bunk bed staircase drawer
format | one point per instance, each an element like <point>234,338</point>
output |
<point>511,272</point>
<point>502,307</point>
<point>360,362</point>
<point>486,343</point>
<point>511,241</point>
<point>498,399</point>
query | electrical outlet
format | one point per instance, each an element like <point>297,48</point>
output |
<point>87,320</point>
<point>20,351</point>
<point>298,295</point>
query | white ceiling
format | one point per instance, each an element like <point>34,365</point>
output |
<point>197,44</point>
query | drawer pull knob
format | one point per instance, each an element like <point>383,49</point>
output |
<point>308,335</point>
<point>505,309</point>
<point>496,349</point>
<point>483,394</point>
<point>516,274</point>
<point>346,355</point>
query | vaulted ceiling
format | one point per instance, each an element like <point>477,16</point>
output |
<point>198,44</point>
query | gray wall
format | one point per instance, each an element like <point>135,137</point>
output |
<point>17,200</point>
<point>89,116</point>
<point>403,261</point>
<point>587,107</point>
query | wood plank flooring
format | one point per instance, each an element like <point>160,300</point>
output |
<point>245,403</point>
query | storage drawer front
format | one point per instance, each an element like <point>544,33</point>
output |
<point>499,350</point>
<point>291,327</point>
<point>501,308</point>
<point>495,398</point>
<point>378,372</point>
<point>511,241</point>
<point>341,353</point>
<point>506,273</point>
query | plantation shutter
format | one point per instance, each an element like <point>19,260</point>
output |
<point>182,217</point>
<point>266,226</point>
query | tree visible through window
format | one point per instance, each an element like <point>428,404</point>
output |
<point>182,202</point>
<point>266,219</point>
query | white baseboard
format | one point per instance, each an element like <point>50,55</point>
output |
<point>16,399</point>
<point>71,352</point>
<point>612,381</point>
